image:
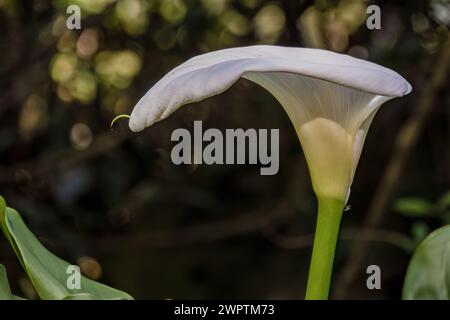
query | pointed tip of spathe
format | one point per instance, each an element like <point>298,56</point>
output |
<point>134,126</point>
<point>139,119</point>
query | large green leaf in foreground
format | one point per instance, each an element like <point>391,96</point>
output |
<point>47,272</point>
<point>428,275</point>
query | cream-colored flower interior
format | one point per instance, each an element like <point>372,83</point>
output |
<point>331,122</point>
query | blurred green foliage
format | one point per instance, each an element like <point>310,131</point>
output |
<point>419,208</point>
<point>428,276</point>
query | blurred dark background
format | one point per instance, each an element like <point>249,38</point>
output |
<point>113,202</point>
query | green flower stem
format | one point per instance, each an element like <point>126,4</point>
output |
<point>327,230</point>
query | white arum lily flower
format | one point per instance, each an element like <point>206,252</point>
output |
<point>330,98</point>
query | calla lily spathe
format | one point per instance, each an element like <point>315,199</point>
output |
<point>330,98</point>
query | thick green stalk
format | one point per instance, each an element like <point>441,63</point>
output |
<point>327,230</point>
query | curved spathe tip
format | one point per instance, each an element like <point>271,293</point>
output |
<point>212,73</point>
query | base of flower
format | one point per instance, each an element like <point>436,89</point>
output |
<point>327,230</point>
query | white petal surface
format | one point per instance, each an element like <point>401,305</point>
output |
<point>331,121</point>
<point>212,73</point>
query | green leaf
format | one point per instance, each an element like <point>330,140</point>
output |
<point>80,296</point>
<point>413,207</point>
<point>5,290</point>
<point>47,272</point>
<point>428,274</point>
<point>444,201</point>
<point>420,230</point>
